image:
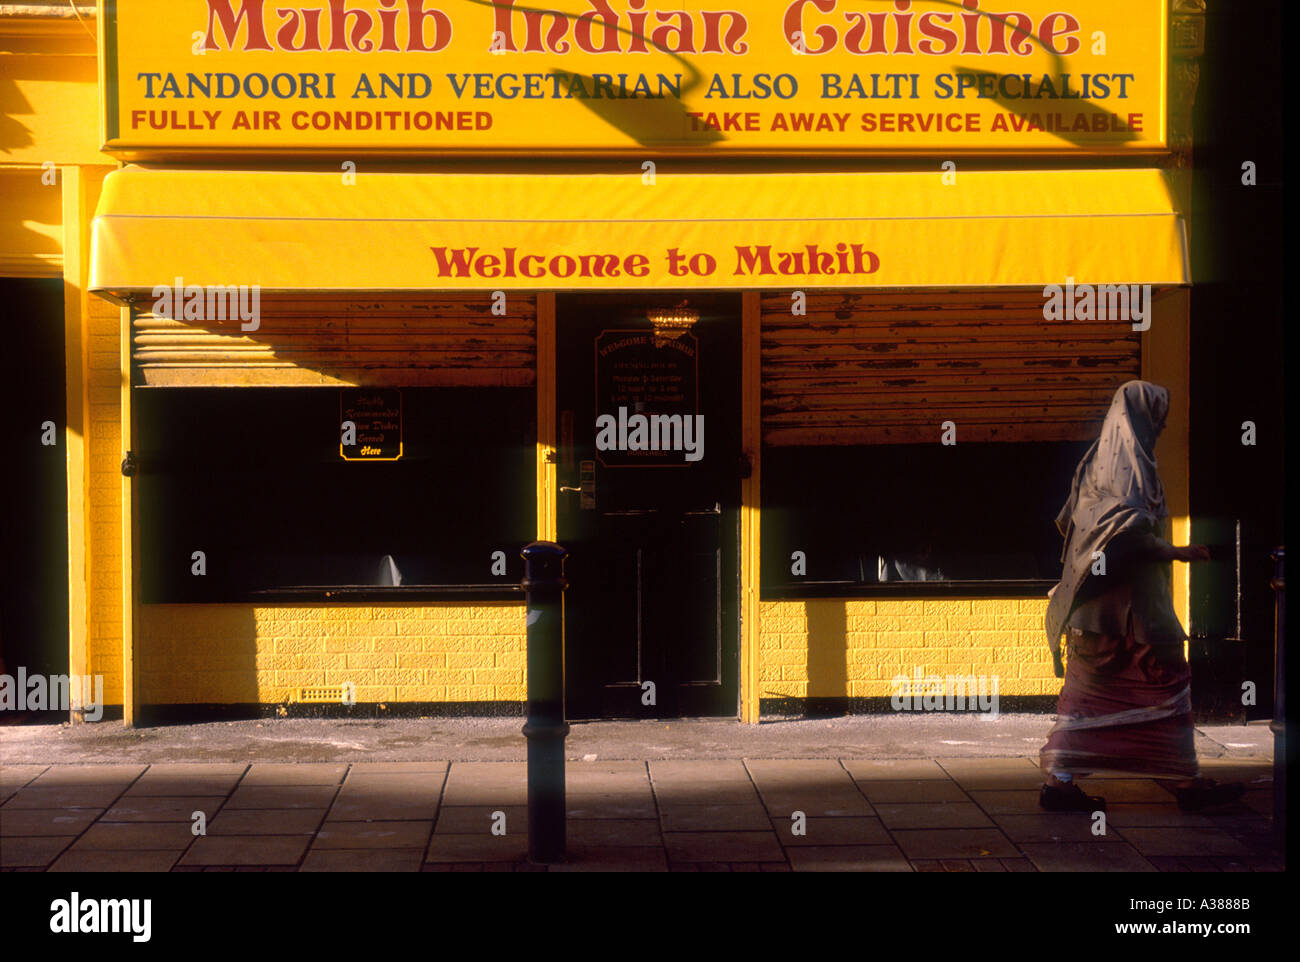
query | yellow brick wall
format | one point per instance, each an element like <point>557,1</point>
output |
<point>104,460</point>
<point>190,654</point>
<point>845,647</point>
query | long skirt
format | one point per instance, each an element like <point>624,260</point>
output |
<point>1125,707</point>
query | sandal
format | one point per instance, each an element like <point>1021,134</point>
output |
<point>1069,798</point>
<point>1207,794</point>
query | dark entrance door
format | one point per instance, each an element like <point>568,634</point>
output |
<point>650,467</point>
<point>34,521</point>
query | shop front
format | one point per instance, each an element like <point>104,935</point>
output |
<point>799,393</point>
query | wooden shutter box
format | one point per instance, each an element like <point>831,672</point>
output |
<point>871,368</point>
<point>388,340</point>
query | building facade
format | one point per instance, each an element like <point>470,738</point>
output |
<point>795,355</point>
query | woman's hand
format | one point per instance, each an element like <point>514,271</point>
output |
<point>1193,552</point>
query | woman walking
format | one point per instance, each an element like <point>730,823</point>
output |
<point>1126,702</point>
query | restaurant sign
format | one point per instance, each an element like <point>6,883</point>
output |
<point>371,424</point>
<point>647,399</point>
<point>620,76</point>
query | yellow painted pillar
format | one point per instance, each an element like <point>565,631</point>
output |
<point>130,562</point>
<point>76,440</point>
<point>547,483</point>
<point>1166,360</point>
<point>751,432</point>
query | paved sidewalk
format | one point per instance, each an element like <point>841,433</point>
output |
<point>966,814</point>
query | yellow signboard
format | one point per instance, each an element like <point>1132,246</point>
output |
<point>622,76</point>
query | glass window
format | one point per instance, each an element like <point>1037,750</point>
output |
<point>253,478</point>
<point>905,515</point>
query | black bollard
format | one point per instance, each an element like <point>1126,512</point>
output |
<point>1278,724</point>
<point>546,728</point>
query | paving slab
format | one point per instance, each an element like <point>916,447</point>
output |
<point>224,850</point>
<point>620,833</point>
<point>842,803</point>
<point>680,792</point>
<point>612,859</point>
<point>195,769</point>
<point>1018,865</point>
<point>849,858</point>
<point>893,770</point>
<point>399,797</point>
<point>1055,827</point>
<point>717,771</point>
<point>625,776</point>
<point>32,851</point>
<point>913,790</point>
<point>168,784</point>
<point>1008,802</point>
<point>714,818</point>
<point>108,860</point>
<point>398,768</point>
<point>489,773</point>
<point>1151,815</point>
<point>954,843</point>
<point>802,772</point>
<point>282,796</point>
<point>162,808</point>
<point>101,774</point>
<point>473,819</point>
<point>993,774</point>
<point>611,805</point>
<point>480,847</point>
<point>13,777</point>
<point>363,860</point>
<point>137,836</point>
<point>933,815</point>
<point>833,831</point>
<point>305,773</point>
<point>1184,841</point>
<point>87,795</point>
<point>339,834</point>
<point>1086,857</point>
<point>278,821</point>
<point>723,847</point>
<point>486,783</point>
<point>37,821</point>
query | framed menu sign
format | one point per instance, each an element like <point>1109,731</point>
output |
<point>647,399</point>
<point>370,424</point>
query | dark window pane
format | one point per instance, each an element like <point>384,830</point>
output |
<point>253,478</point>
<point>915,513</point>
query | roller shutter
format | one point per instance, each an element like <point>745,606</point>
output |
<point>867,368</point>
<point>391,340</point>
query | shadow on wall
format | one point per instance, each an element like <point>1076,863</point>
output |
<point>31,214</point>
<point>203,655</point>
<point>828,669</point>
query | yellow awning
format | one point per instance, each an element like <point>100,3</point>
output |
<point>450,231</point>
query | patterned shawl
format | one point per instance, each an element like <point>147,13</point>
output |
<point>1115,489</point>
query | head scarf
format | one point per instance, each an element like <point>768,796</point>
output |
<point>1115,489</point>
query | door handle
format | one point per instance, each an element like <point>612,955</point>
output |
<point>570,490</point>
